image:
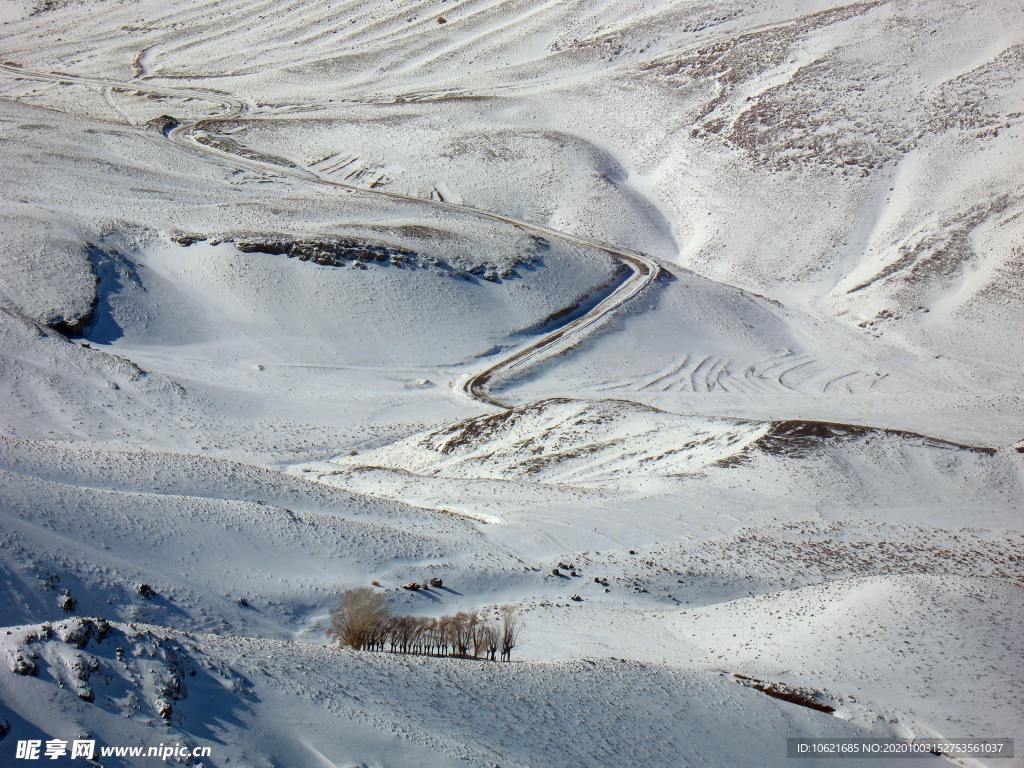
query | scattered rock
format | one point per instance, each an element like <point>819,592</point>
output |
<point>244,602</point>
<point>805,697</point>
<point>79,631</point>
<point>146,591</point>
<point>185,239</point>
<point>412,586</point>
<point>71,327</point>
<point>74,632</point>
<point>436,582</point>
<point>171,687</point>
<point>555,572</point>
<point>23,665</point>
<point>329,252</point>
<point>576,598</point>
<point>163,123</point>
<point>442,20</point>
<point>100,629</point>
<point>164,708</point>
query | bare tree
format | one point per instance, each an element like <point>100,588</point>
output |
<point>510,628</point>
<point>461,634</point>
<point>359,619</point>
<point>491,639</point>
<point>415,637</point>
<point>363,621</point>
<point>396,631</point>
<point>444,635</point>
<point>429,633</point>
<point>476,634</point>
<point>409,631</point>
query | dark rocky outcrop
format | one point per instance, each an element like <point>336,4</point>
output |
<point>163,123</point>
<point>804,697</point>
<point>331,251</point>
<point>23,665</point>
<point>800,438</point>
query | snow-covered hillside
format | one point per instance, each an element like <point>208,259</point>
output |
<point>690,329</point>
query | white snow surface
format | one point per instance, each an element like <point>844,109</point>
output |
<point>253,252</point>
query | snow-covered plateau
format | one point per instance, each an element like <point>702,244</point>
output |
<point>687,335</point>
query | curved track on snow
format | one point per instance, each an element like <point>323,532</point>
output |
<point>643,269</point>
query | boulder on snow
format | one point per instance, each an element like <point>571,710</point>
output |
<point>23,665</point>
<point>164,123</point>
<point>67,603</point>
<point>412,586</point>
<point>79,631</point>
<point>436,582</point>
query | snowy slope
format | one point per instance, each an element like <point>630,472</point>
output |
<point>320,706</point>
<point>958,639</point>
<point>254,252</point>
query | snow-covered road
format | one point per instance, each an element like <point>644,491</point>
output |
<point>643,269</point>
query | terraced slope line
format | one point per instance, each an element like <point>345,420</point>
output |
<point>643,269</point>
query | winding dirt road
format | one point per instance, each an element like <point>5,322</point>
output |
<point>643,270</point>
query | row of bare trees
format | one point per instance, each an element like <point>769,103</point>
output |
<point>364,622</point>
